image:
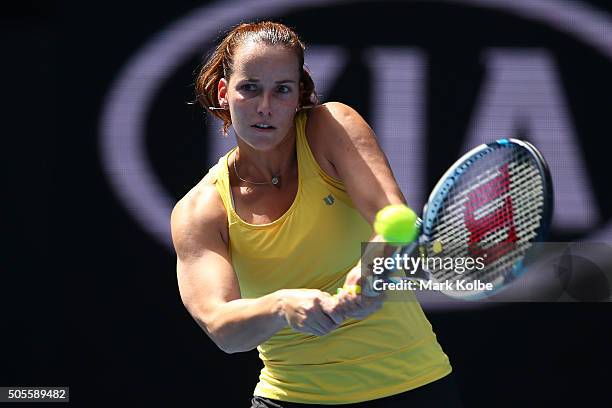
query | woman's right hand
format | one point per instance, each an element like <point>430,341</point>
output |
<point>310,311</point>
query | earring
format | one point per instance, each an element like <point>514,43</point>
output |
<point>214,108</point>
<point>299,108</point>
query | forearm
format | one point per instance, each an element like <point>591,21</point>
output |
<point>243,324</point>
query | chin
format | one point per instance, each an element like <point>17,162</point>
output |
<point>264,142</point>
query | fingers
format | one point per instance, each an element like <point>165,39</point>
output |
<point>320,319</point>
<point>319,313</point>
<point>329,307</point>
<point>306,323</point>
<point>358,306</point>
<point>313,318</point>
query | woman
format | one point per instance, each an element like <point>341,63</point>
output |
<point>276,226</point>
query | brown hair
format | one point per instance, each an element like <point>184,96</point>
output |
<point>220,64</point>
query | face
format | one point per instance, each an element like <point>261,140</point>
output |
<point>262,93</point>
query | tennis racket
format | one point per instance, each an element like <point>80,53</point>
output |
<point>491,205</point>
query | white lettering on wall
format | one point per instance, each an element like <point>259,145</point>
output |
<point>522,93</point>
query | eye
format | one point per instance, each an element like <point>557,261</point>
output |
<point>284,89</point>
<point>248,87</point>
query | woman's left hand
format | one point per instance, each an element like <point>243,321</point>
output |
<point>360,304</point>
<point>357,305</point>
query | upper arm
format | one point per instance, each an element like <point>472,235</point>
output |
<point>205,275</point>
<point>352,148</point>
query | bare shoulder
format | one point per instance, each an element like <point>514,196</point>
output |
<point>331,128</point>
<point>199,220</point>
<point>334,128</point>
<point>331,117</point>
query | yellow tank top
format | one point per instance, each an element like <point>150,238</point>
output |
<point>313,245</point>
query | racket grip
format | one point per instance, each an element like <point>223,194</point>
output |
<point>352,289</point>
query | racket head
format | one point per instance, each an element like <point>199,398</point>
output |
<point>493,203</point>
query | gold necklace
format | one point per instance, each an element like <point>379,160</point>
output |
<point>275,179</point>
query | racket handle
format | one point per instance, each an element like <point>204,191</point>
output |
<point>352,289</point>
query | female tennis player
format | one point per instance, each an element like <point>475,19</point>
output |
<point>266,237</point>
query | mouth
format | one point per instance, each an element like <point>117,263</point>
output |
<point>263,126</point>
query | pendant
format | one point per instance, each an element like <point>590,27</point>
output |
<point>275,180</point>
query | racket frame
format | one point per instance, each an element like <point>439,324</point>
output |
<point>445,184</point>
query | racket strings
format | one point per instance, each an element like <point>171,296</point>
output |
<point>451,225</point>
<point>529,201</point>
<point>503,206</point>
<point>525,205</point>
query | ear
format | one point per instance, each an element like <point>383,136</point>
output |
<point>300,92</point>
<point>222,92</point>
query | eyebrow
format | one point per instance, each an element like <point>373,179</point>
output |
<point>282,81</point>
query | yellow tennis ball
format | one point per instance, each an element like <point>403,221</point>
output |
<point>396,223</point>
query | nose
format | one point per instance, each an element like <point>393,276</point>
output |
<point>264,107</point>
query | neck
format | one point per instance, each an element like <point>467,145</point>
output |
<point>261,166</point>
